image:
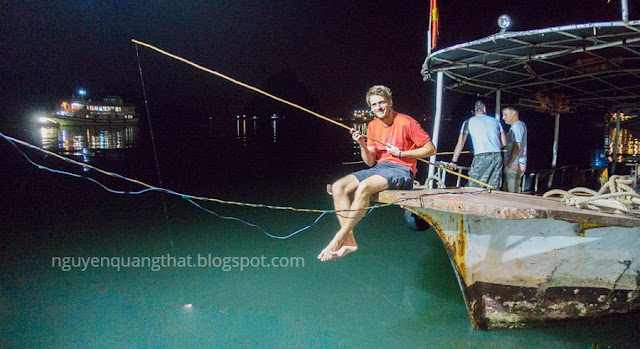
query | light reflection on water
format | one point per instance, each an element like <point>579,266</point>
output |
<point>628,144</point>
<point>87,142</point>
<point>77,139</point>
<point>256,127</point>
<point>275,134</point>
<point>362,127</point>
<point>74,139</point>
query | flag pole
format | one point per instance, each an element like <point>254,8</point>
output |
<point>429,39</point>
<point>429,34</point>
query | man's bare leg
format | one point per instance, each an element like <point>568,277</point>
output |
<point>343,242</point>
<point>342,191</point>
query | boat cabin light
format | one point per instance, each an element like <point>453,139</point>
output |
<point>504,22</point>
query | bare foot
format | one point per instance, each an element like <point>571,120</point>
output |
<point>348,245</point>
<point>338,250</point>
<point>325,255</point>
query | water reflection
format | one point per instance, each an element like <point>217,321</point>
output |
<point>256,124</point>
<point>362,127</point>
<point>241,129</point>
<point>86,140</point>
<point>628,144</point>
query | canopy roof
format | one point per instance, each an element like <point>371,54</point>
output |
<point>555,70</point>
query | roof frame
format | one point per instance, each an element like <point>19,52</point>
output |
<point>595,65</point>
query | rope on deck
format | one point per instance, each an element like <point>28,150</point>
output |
<point>615,194</point>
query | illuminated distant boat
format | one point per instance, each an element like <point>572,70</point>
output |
<point>82,111</point>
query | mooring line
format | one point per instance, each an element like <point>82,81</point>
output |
<point>255,89</point>
<point>189,198</point>
<point>148,186</point>
<point>257,226</point>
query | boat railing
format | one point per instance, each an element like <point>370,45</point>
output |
<point>564,177</point>
<point>537,182</point>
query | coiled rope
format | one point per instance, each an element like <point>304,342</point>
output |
<point>615,194</point>
<point>293,105</point>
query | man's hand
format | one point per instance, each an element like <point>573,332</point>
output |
<point>357,136</point>
<point>446,164</point>
<point>392,149</point>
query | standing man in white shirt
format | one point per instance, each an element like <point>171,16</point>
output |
<point>515,160</point>
<point>488,138</point>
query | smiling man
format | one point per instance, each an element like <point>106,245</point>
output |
<point>394,166</point>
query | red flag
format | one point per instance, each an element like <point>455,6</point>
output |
<point>433,22</point>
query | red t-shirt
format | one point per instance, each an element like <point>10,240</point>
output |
<point>405,133</point>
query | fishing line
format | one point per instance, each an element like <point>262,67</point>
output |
<point>189,198</point>
<point>442,153</point>
<point>257,226</point>
<point>155,155</point>
<point>153,140</point>
<point>43,167</point>
<point>293,105</point>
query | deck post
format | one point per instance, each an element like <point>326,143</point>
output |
<point>436,124</point>
<point>554,158</point>
<point>498,104</point>
<point>625,10</point>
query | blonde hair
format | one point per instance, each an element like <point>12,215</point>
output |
<point>379,90</point>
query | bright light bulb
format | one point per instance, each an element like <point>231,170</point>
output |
<point>504,21</point>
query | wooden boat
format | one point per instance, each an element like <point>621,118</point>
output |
<point>524,260</point>
<point>520,259</point>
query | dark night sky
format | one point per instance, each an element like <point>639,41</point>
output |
<point>336,49</point>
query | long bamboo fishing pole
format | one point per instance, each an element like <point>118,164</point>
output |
<point>292,104</point>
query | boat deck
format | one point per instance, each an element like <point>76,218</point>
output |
<point>503,205</point>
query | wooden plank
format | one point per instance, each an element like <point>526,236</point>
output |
<point>499,204</point>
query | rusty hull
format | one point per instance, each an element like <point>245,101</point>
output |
<point>499,204</point>
<point>525,261</point>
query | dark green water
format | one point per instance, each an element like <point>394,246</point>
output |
<point>397,291</point>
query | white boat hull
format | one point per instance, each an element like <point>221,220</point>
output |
<point>525,264</point>
<point>72,121</point>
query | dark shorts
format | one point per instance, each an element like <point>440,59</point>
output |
<point>399,177</point>
<point>486,168</point>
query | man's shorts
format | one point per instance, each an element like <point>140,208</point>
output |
<point>399,177</point>
<point>486,168</point>
<point>512,180</point>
